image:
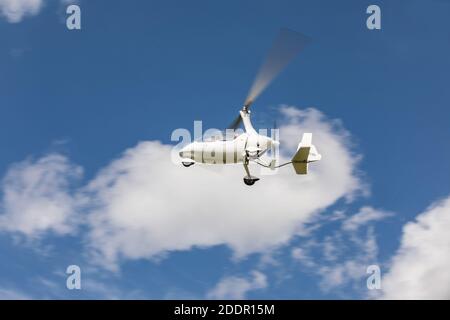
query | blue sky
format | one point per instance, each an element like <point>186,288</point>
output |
<point>140,69</point>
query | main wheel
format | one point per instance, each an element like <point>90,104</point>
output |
<point>249,181</point>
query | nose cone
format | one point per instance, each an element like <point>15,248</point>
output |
<point>186,151</point>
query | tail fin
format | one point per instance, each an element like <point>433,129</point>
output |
<point>306,152</point>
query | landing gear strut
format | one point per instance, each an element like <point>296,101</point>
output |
<point>249,179</point>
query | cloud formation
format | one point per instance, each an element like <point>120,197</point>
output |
<point>142,205</point>
<point>12,294</point>
<point>420,269</point>
<point>37,197</point>
<point>15,10</point>
<point>342,257</point>
<point>363,217</point>
<point>236,288</point>
<point>147,206</point>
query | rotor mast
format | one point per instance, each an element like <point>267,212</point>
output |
<point>244,114</point>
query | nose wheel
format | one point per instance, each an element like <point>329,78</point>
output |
<point>187,164</point>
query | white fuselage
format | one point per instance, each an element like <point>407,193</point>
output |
<point>227,151</point>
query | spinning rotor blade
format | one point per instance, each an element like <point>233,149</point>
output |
<point>236,122</point>
<point>286,46</point>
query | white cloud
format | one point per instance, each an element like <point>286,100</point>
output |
<point>237,287</point>
<point>147,206</point>
<point>363,217</point>
<point>420,269</point>
<point>143,205</point>
<point>350,265</point>
<point>302,256</point>
<point>342,257</point>
<point>37,198</point>
<point>15,10</point>
<point>12,294</point>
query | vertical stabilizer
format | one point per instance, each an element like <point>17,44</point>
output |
<point>306,152</point>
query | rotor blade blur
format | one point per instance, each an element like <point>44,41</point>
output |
<point>284,49</point>
<point>235,124</point>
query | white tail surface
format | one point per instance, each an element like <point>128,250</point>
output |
<point>306,152</point>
